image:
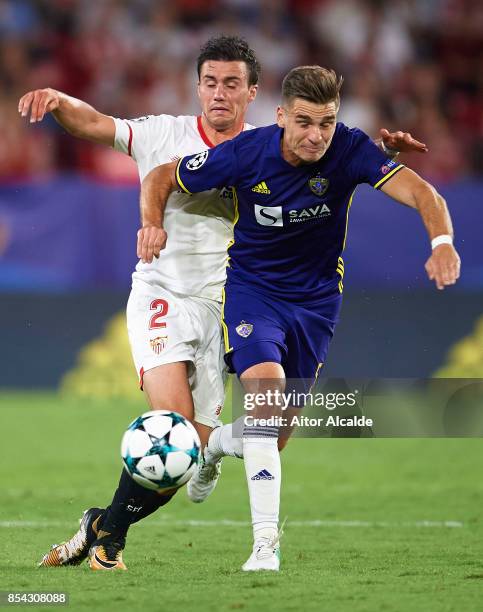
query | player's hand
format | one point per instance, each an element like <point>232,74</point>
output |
<point>38,102</point>
<point>402,141</point>
<point>151,240</point>
<point>443,266</point>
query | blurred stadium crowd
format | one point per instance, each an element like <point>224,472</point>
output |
<point>416,65</point>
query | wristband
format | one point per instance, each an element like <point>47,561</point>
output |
<point>442,239</point>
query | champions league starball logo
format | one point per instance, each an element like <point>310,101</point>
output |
<point>194,163</point>
<point>318,185</point>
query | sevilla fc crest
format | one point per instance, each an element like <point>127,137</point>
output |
<point>159,344</point>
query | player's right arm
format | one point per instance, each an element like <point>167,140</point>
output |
<point>155,191</point>
<point>191,174</point>
<point>75,116</point>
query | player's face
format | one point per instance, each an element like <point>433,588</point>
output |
<point>308,130</point>
<point>224,93</point>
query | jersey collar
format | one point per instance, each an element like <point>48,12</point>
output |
<point>204,135</point>
<point>202,132</point>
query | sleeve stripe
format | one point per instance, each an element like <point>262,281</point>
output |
<point>129,144</point>
<point>178,178</point>
<point>388,176</point>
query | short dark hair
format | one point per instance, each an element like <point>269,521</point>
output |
<point>312,83</point>
<point>230,49</point>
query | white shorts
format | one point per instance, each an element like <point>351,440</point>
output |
<point>165,327</point>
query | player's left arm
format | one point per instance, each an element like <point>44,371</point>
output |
<point>393,143</point>
<point>410,189</point>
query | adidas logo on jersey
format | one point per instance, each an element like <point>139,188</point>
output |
<point>261,188</point>
<point>263,475</point>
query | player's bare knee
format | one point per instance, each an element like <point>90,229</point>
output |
<point>269,370</point>
<point>167,388</point>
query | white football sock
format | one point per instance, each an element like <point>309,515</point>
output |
<point>226,440</point>
<point>263,471</point>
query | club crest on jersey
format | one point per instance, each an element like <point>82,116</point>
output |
<point>159,344</point>
<point>318,185</point>
<point>195,162</point>
<point>244,329</point>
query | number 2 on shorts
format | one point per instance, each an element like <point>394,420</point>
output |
<point>161,306</point>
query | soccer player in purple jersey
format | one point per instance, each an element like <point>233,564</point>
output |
<point>293,184</point>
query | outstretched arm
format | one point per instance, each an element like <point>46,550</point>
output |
<point>409,188</point>
<point>77,117</point>
<point>155,190</point>
<point>399,142</point>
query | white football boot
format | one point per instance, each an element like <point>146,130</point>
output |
<point>265,555</point>
<point>204,480</point>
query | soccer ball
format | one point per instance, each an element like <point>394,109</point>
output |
<point>160,450</point>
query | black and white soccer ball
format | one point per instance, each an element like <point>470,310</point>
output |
<point>160,450</point>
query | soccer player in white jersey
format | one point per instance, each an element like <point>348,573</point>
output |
<point>173,312</point>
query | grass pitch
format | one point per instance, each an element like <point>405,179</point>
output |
<point>373,524</point>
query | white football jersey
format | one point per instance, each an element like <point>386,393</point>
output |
<point>199,226</point>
